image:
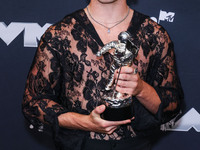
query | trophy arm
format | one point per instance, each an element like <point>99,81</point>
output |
<point>107,47</point>
<point>132,48</point>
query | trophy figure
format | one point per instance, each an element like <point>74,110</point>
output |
<point>118,105</point>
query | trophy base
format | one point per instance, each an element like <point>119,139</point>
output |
<point>118,114</point>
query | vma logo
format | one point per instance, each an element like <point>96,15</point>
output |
<point>164,16</point>
<point>190,120</point>
<point>32,32</point>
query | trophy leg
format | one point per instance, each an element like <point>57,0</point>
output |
<point>111,78</point>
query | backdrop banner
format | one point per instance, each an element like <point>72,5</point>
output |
<point>22,22</point>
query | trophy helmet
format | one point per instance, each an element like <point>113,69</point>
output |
<point>124,36</point>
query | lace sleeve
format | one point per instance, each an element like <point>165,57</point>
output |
<point>41,97</point>
<point>165,79</point>
<point>161,74</point>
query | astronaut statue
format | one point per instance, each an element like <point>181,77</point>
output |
<point>124,53</point>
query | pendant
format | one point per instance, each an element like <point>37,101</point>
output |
<point>108,31</point>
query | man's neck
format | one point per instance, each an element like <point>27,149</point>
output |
<point>108,13</point>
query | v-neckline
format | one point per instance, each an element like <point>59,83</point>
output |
<point>91,29</point>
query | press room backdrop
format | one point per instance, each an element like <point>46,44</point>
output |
<point>22,22</point>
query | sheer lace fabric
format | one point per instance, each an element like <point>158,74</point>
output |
<point>66,75</point>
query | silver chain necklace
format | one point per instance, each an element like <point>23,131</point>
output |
<point>109,28</point>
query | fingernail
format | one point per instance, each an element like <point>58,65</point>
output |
<point>102,106</point>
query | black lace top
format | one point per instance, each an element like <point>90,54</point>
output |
<point>66,75</point>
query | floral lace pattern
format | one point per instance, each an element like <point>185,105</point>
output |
<point>67,76</point>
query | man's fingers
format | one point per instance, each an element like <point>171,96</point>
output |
<point>124,90</point>
<point>117,123</point>
<point>126,69</point>
<point>99,109</point>
<point>132,118</point>
<point>110,130</point>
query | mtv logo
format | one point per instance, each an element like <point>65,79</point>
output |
<point>190,120</point>
<point>166,16</point>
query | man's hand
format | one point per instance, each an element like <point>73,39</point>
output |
<point>92,122</point>
<point>104,126</point>
<point>129,82</point>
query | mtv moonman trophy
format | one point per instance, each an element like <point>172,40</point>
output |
<point>118,105</point>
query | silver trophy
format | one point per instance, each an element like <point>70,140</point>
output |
<point>118,105</point>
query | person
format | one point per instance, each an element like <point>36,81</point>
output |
<point>65,82</point>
